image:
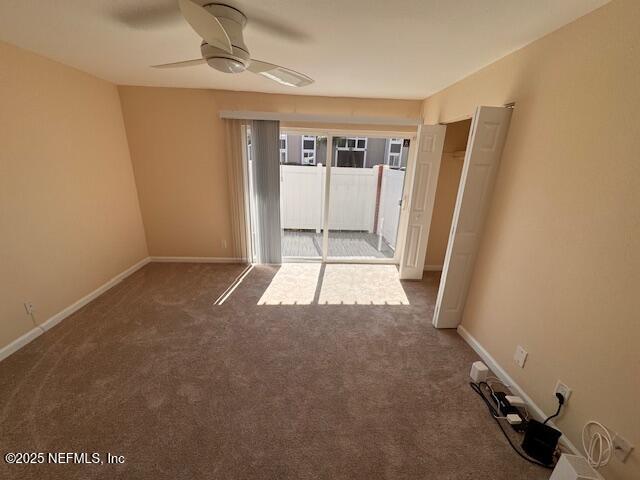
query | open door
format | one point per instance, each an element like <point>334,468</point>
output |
<point>488,132</point>
<point>423,193</point>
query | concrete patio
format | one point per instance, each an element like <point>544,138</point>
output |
<point>301,243</point>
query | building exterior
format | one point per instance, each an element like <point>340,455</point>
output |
<point>358,152</point>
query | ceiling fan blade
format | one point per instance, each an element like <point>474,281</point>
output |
<point>279,74</point>
<point>186,63</point>
<point>205,24</point>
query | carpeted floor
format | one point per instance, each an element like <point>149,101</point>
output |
<point>185,389</point>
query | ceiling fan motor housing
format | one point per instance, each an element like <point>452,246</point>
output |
<point>233,21</point>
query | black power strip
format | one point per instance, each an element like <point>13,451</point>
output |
<point>503,404</point>
<point>506,408</point>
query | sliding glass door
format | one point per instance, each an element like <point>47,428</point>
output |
<point>341,195</point>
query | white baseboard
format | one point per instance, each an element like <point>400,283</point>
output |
<point>502,374</point>
<point>198,259</point>
<point>433,268</point>
<point>20,342</point>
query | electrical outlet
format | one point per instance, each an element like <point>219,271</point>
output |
<point>562,389</point>
<point>29,308</point>
<point>224,243</point>
<point>622,448</point>
<point>520,356</point>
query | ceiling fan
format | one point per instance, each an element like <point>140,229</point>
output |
<point>223,47</point>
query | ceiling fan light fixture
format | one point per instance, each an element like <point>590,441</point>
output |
<point>226,64</point>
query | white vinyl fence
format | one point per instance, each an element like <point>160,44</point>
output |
<point>352,199</point>
<point>301,197</point>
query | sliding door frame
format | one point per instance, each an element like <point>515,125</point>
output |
<point>330,133</point>
<point>327,198</point>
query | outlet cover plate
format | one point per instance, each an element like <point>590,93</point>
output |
<point>520,356</point>
<point>563,389</point>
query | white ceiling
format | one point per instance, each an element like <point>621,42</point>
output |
<point>360,48</point>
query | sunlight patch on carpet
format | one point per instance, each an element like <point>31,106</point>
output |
<point>335,284</point>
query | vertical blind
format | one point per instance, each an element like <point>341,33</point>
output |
<point>265,145</point>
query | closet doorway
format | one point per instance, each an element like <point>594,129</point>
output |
<point>487,135</point>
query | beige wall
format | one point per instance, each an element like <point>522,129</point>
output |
<point>69,212</point>
<point>177,144</point>
<point>558,270</point>
<point>455,143</point>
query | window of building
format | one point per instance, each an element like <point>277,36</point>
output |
<point>351,144</point>
<point>308,150</point>
<point>283,148</point>
<point>394,153</point>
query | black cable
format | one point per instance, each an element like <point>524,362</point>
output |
<point>476,387</point>
<point>560,403</point>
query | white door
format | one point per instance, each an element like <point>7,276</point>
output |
<point>423,194</point>
<point>488,132</point>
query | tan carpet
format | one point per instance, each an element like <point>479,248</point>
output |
<point>184,389</point>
